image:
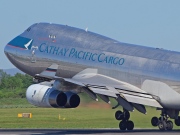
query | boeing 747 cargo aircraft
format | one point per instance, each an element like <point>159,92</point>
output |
<point>65,61</point>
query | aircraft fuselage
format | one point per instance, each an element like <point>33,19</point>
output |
<point>74,50</point>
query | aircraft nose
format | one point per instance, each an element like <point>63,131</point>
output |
<point>6,50</point>
<point>11,47</point>
<point>9,51</point>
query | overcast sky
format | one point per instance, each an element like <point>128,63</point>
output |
<point>153,23</point>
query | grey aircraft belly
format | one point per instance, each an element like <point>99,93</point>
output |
<point>65,61</point>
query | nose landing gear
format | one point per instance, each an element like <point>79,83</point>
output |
<point>125,123</point>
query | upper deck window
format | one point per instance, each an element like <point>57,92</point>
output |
<point>52,36</point>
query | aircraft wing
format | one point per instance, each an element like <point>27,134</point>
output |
<point>103,86</point>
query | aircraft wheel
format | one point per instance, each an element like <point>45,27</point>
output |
<point>154,121</point>
<point>123,125</point>
<point>177,121</point>
<point>126,115</point>
<point>130,125</point>
<point>162,125</point>
<point>169,125</point>
<point>119,115</point>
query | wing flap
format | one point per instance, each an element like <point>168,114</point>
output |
<point>103,92</point>
<point>142,100</point>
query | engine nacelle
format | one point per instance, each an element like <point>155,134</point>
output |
<point>45,96</point>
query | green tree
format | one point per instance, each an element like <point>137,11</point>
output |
<point>14,86</point>
<point>11,83</point>
<point>27,80</point>
<point>3,75</point>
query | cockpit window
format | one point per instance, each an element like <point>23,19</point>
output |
<point>28,29</point>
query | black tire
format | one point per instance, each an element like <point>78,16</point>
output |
<point>119,115</point>
<point>130,125</point>
<point>123,125</point>
<point>177,121</point>
<point>126,115</point>
<point>169,125</point>
<point>154,121</point>
<point>162,125</point>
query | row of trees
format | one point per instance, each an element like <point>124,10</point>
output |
<point>14,86</point>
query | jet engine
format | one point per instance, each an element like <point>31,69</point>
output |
<point>45,96</point>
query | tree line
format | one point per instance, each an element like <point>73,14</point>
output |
<point>14,86</point>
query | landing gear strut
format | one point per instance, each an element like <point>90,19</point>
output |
<point>163,123</point>
<point>125,123</point>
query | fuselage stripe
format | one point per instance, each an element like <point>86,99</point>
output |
<point>16,47</point>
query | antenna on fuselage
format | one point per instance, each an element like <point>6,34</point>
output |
<point>86,29</point>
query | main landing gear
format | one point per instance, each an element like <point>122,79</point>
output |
<point>162,122</point>
<point>125,123</point>
<point>177,121</point>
